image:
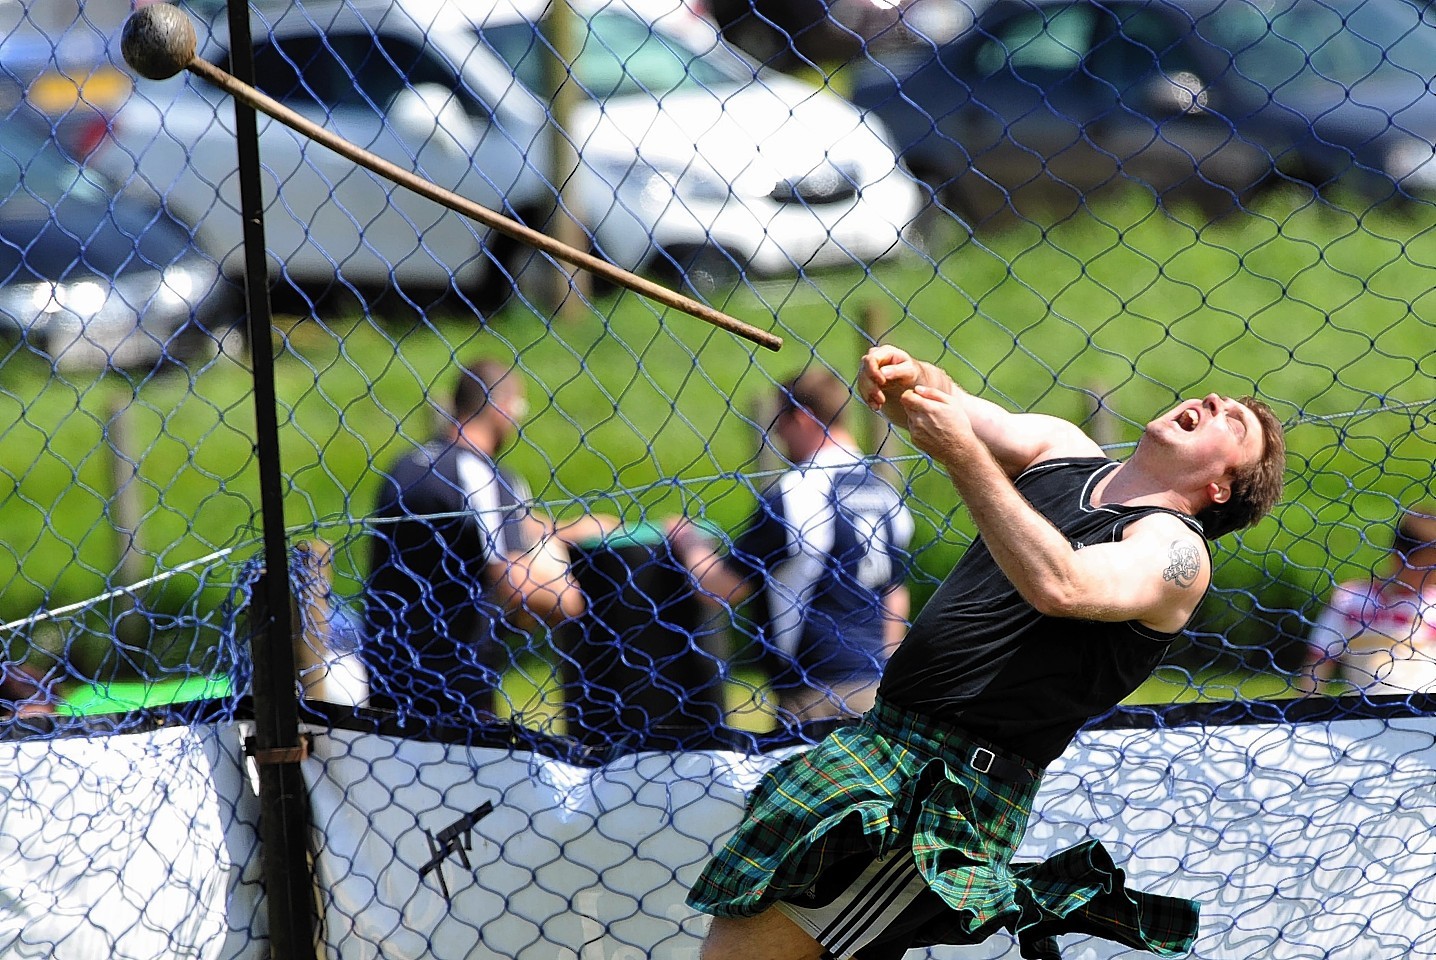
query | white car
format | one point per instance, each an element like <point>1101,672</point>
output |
<point>690,159</point>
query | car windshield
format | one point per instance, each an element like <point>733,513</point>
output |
<point>34,165</point>
<point>618,55</point>
<point>1281,41</point>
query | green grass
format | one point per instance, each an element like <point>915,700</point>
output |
<point>1172,685</point>
<point>645,412</point>
<point>529,693</point>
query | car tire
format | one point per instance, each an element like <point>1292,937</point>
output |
<point>700,269</point>
<point>507,258</point>
<point>499,282</point>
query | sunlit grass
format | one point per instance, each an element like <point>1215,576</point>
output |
<point>647,412</point>
<point>532,694</point>
<point>1175,685</point>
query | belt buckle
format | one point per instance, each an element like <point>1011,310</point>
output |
<point>982,760</point>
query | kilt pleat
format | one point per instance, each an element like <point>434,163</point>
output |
<point>895,778</point>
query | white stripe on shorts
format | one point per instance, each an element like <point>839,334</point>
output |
<point>865,909</point>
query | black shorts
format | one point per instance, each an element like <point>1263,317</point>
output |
<point>875,906</point>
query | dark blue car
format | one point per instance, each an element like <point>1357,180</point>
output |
<point>1046,102</point>
<point>92,278</point>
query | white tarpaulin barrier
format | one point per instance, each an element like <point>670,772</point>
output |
<point>1303,841</point>
<point>129,846</point>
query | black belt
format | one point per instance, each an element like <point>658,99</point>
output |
<point>953,744</point>
<point>986,762</point>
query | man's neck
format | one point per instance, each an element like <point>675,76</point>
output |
<point>834,441</point>
<point>1130,485</point>
<point>837,438</point>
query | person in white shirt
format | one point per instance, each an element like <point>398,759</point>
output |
<point>1377,635</point>
<point>827,552</point>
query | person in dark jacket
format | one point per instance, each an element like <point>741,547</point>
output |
<point>457,558</point>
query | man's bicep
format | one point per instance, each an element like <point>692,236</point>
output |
<point>1157,577</point>
<point>1018,440</point>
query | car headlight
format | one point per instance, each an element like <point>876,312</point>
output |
<point>1412,163</point>
<point>84,298</point>
<point>184,285</point>
<point>157,302</point>
<point>826,183</point>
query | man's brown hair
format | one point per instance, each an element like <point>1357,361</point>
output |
<point>819,391</point>
<point>477,382</point>
<point>1256,486</point>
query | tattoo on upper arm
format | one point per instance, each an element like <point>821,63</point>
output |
<point>1183,565</point>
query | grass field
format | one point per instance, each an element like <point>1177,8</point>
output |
<point>748,708</point>
<point>645,412</point>
<point>526,695</point>
<point>121,696</point>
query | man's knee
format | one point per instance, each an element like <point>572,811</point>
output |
<point>767,936</point>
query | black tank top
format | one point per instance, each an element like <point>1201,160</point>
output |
<point>980,657</point>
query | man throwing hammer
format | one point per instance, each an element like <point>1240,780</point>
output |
<point>899,830</point>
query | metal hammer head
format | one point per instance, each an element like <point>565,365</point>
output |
<point>158,41</point>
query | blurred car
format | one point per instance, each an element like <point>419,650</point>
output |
<point>1046,102</point>
<point>94,278</point>
<point>689,160</point>
<point>794,34</point>
<point>67,83</point>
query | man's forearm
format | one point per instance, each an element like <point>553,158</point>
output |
<point>1316,672</point>
<point>1029,550</point>
<point>537,584</point>
<point>1013,440</point>
<point>960,432</point>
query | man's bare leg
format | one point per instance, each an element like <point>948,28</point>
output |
<point>768,936</point>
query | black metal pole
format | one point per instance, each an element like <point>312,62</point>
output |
<point>276,748</point>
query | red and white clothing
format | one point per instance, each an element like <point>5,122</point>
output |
<point>1382,634</point>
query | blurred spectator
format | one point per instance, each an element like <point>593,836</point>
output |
<point>24,692</point>
<point>827,550</point>
<point>643,667</point>
<point>1379,635</point>
<point>326,648</point>
<point>456,556</point>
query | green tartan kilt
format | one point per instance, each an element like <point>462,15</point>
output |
<point>898,778</point>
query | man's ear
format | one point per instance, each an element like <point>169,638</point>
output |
<point>1220,491</point>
